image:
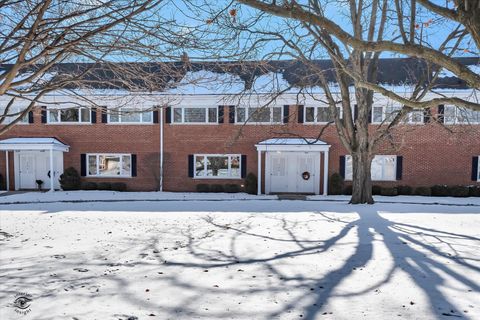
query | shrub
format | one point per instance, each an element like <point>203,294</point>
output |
<point>232,188</point>
<point>404,190</point>
<point>70,179</point>
<point>440,191</point>
<point>202,187</point>
<point>474,191</point>
<point>423,191</point>
<point>119,186</point>
<point>389,192</point>
<point>336,184</point>
<point>251,183</point>
<point>89,185</point>
<point>104,186</point>
<point>459,191</point>
<point>216,188</point>
<point>376,190</point>
<point>348,190</point>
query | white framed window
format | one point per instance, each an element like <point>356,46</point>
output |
<point>69,115</point>
<point>320,115</point>
<point>195,115</point>
<point>387,113</point>
<point>259,115</point>
<point>13,113</point>
<point>109,165</point>
<point>217,166</point>
<point>130,115</point>
<point>456,115</point>
<point>384,168</point>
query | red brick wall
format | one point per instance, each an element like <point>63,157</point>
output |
<point>432,153</point>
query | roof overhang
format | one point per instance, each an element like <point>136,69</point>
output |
<point>292,145</point>
<point>33,144</point>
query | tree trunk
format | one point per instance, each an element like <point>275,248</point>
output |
<point>362,179</point>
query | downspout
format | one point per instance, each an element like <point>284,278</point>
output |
<point>161,150</point>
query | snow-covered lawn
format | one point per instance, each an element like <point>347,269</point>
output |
<point>238,259</point>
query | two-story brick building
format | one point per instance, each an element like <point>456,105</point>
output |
<point>174,140</point>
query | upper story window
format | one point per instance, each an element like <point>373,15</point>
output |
<point>130,115</point>
<point>109,165</point>
<point>69,115</point>
<point>194,115</point>
<point>12,114</point>
<point>320,114</point>
<point>384,168</point>
<point>456,115</point>
<point>388,113</point>
<point>259,115</point>
<point>217,166</point>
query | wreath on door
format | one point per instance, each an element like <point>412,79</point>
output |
<point>306,175</point>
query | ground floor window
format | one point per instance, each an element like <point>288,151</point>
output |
<point>109,165</point>
<point>384,168</point>
<point>216,166</point>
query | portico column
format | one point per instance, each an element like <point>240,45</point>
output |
<point>51,170</point>
<point>325,173</point>
<point>7,172</point>
<point>259,173</point>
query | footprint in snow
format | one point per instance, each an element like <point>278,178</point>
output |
<point>80,269</point>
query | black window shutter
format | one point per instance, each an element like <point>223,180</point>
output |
<point>155,116</point>
<point>30,116</point>
<point>104,115</point>
<point>93,115</point>
<point>355,112</point>
<point>286,113</point>
<point>83,164</point>
<point>300,114</point>
<point>399,167</point>
<point>231,114</point>
<point>220,114</point>
<point>190,165</point>
<point>168,115</point>
<point>44,114</point>
<point>134,165</point>
<point>475,169</point>
<point>342,166</point>
<point>427,114</point>
<point>441,112</point>
<point>244,166</point>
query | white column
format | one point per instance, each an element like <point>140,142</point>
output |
<point>325,173</point>
<point>7,172</point>
<point>52,173</point>
<point>160,111</point>
<point>259,173</point>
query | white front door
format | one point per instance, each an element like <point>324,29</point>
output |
<point>278,173</point>
<point>27,171</point>
<point>306,175</point>
<point>294,172</point>
<point>35,165</point>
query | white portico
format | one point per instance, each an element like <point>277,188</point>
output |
<point>35,159</point>
<point>292,165</point>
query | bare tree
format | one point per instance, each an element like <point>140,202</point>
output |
<point>66,46</point>
<point>306,32</point>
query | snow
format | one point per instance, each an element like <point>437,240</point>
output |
<point>291,141</point>
<point>238,259</point>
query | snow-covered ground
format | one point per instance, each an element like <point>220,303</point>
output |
<point>238,259</point>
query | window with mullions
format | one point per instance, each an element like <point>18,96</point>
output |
<point>320,114</point>
<point>130,115</point>
<point>109,165</point>
<point>194,115</point>
<point>69,115</point>
<point>259,114</point>
<point>456,115</point>
<point>217,166</point>
<point>383,168</point>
